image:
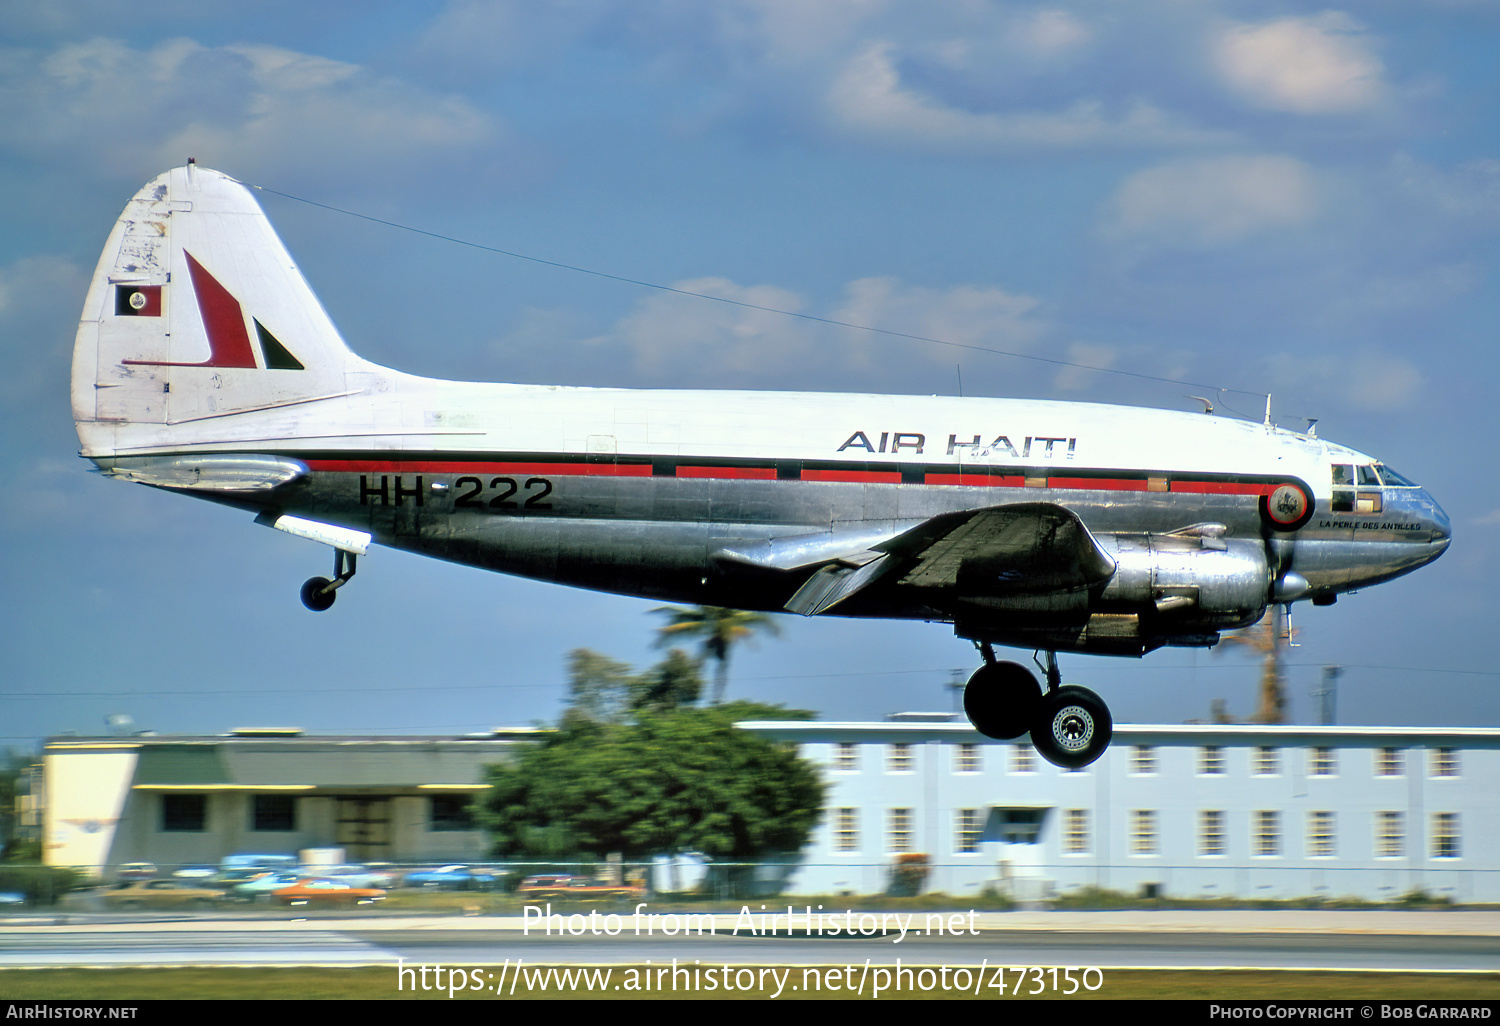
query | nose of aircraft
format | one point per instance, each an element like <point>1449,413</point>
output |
<point>1442,530</point>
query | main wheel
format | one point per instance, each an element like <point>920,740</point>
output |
<point>313,595</point>
<point>1001,700</point>
<point>1072,727</point>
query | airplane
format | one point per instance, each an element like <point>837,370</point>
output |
<point>205,365</point>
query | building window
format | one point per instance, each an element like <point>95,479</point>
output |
<point>1388,762</point>
<point>1211,832</point>
<point>1445,837</point>
<point>1022,759</point>
<point>1143,760</point>
<point>1143,832</point>
<point>900,830</point>
<point>967,758</point>
<point>846,830</point>
<point>1320,835</point>
<point>1390,835</point>
<point>449,812</point>
<point>1445,762</point>
<point>1268,833</point>
<point>1323,762</point>
<point>1076,832</point>
<point>184,813</point>
<point>970,826</point>
<point>1267,761</point>
<point>273,812</point>
<point>1211,760</point>
<point>846,757</point>
<point>899,759</point>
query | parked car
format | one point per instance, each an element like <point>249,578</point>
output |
<point>327,892</point>
<point>162,894</point>
<point>196,872</point>
<point>359,876</point>
<point>257,862</point>
<point>567,886</point>
<point>454,878</point>
<point>263,885</point>
<point>136,871</point>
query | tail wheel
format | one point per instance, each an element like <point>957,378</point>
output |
<point>1001,700</point>
<point>314,596</point>
<point>1072,727</point>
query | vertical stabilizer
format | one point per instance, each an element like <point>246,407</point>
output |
<point>196,313</point>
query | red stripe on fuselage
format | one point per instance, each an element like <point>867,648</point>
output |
<point>1224,487</point>
<point>741,473</point>
<point>733,473</point>
<point>1110,484</point>
<point>473,467</point>
<point>978,480</point>
<point>855,476</point>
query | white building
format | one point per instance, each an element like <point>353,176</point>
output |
<point>1188,811</point>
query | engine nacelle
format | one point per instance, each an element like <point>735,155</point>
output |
<point>1195,575</point>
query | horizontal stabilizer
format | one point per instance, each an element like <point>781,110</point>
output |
<point>238,473</point>
<point>343,538</point>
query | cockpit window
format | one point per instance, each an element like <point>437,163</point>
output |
<point>1356,489</point>
<point>1390,477</point>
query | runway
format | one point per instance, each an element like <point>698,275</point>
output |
<point>1465,942</point>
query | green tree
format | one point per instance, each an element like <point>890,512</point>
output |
<point>684,780</point>
<point>598,687</point>
<point>720,630</point>
<point>673,683</point>
<point>605,690</point>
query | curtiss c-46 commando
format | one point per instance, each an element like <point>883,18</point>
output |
<point>205,365</point>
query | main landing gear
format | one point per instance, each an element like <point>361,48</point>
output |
<point>1070,726</point>
<point>318,593</point>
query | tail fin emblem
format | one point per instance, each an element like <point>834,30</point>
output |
<point>224,321</point>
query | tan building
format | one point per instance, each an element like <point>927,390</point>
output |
<point>175,800</point>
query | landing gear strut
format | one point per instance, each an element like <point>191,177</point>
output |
<point>1070,726</point>
<point>318,593</point>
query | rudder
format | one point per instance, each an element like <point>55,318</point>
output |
<point>196,312</point>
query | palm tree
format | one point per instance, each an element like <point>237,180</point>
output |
<point>721,629</point>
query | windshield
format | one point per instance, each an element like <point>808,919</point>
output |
<point>1390,477</point>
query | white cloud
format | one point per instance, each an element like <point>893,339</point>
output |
<point>1080,378</point>
<point>1319,65</point>
<point>673,339</point>
<point>252,110</point>
<point>729,344</point>
<point>869,99</point>
<point>1215,200</point>
<point>1363,380</point>
<point>1470,191</point>
<point>1051,31</point>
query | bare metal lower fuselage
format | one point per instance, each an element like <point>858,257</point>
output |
<point>656,535</point>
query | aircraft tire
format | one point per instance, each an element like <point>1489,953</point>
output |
<point>1001,700</point>
<point>1072,727</point>
<point>313,595</point>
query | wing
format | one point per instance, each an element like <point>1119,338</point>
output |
<point>1026,548</point>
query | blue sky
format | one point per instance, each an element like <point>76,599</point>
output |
<point>1267,197</point>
